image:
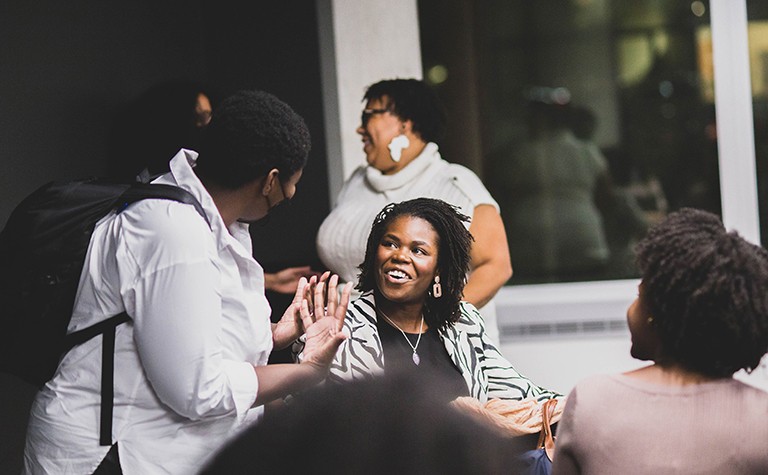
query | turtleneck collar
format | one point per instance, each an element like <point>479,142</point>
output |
<point>381,182</point>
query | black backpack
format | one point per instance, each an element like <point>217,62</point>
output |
<point>42,253</point>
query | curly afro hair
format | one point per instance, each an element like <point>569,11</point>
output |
<point>250,133</point>
<point>414,100</point>
<point>707,290</point>
<point>453,257</point>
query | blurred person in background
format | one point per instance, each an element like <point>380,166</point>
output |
<point>164,118</point>
<point>556,185</point>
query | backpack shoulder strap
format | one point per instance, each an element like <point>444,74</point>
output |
<point>81,336</point>
<point>140,191</point>
<point>105,328</point>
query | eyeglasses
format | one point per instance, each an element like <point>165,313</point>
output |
<point>367,113</point>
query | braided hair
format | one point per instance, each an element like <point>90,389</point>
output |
<point>707,290</point>
<point>453,256</point>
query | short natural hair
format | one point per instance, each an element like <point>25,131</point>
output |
<point>250,133</point>
<point>453,254</point>
<point>707,290</point>
<point>414,100</point>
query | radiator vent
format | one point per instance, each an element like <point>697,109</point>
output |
<point>570,329</point>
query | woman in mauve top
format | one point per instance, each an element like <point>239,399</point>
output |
<point>701,315</point>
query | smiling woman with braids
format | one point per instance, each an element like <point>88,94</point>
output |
<point>701,315</point>
<point>411,317</point>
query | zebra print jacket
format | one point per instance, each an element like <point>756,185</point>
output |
<point>487,373</point>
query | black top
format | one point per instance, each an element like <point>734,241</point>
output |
<point>435,365</point>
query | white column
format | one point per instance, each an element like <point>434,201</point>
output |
<point>735,132</point>
<point>361,42</point>
<point>735,127</point>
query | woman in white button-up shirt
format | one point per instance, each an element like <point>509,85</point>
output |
<point>190,364</point>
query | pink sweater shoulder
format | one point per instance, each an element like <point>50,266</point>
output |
<point>617,424</point>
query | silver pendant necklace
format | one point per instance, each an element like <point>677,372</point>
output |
<point>415,356</point>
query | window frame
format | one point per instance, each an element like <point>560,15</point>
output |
<point>738,185</point>
<point>350,30</point>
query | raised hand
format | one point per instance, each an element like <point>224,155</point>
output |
<point>325,302</point>
<point>309,294</point>
<point>324,323</point>
<point>290,325</point>
<point>319,312</point>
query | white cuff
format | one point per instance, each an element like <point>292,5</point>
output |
<point>244,384</point>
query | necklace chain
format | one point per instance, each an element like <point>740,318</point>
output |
<point>415,357</point>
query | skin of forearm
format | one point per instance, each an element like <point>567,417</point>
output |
<point>279,380</point>
<point>484,282</point>
<point>491,265</point>
<point>269,280</point>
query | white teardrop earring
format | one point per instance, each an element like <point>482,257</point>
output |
<point>397,145</point>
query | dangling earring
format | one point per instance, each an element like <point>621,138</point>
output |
<point>397,145</point>
<point>437,289</point>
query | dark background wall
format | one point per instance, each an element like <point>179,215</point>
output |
<point>68,68</point>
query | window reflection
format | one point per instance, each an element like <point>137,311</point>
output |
<point>593,119</point>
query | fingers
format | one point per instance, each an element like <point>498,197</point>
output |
<point>297,298</point>
<point>306,316</point>
<point>323,297</point>
<point>333,295</point>
<point>341,310</point>
<point>322,280</point>
<point>309,291</point>
<point>319,300</point>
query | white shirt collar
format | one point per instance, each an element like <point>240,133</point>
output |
<point>183,175</point>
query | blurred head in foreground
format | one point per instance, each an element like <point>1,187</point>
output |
<point>380,426</point>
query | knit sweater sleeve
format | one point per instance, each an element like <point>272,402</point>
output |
<point>565,460</point>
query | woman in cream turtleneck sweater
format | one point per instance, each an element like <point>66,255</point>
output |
<point>401,121</point>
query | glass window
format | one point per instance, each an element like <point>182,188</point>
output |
<point>757,15</point>
<point>587,120</point>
